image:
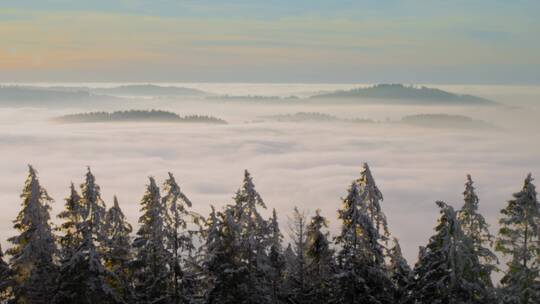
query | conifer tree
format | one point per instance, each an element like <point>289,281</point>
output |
<point>211,250</point>
<point>33,251</point>
<point>180,239</point>
<point>277,261</point>
<point>151,272</point>
<point>72,217</point>
<point>448,269</point>
<point>320,261</point>
<point>371,197</point>
<point>519,240</point>
<point>475,227</point>
<point>254,240</point>
<point>400,273</point>
<point>83,278</point>
<point>297,276</point>
<point>223,263</point>
<point>361,272</point>
<point>117,251</point>
<point>290,270</point>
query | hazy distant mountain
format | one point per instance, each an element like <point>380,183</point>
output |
<point>19,96</point>
<point>445,121</point>
<point>137,116</point>
<point>251,98</point>
<point>398,93</point>
<point>148,90</point>
<point>312,117</point>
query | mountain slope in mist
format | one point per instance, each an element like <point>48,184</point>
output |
<point>148,90</point>
<point>398,93</point>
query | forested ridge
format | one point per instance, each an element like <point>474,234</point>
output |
<point>236,255</point>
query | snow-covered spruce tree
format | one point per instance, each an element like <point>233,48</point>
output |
<point>6,283</point>
<point>34,249</point>
<point>519,240</point>
<point>371,197</point>
<point>448,269</point>
<point>83,278</point>
<point>211,249</point>
<point>296,278</point>
<point>361,274</point>
<point>254,241</point>
<point>151,271</point>
<point>400,273</point>
<point>475,227</point>
<point>117,253</point>
<point>226,272</point>
<point>70,228</point>
<point>277,261</point>
<point>320,261</point>
<point>179,222</point>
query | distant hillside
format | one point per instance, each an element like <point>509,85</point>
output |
<point>312,117</point>
<point>398,92</point>
<point>445,121</point>
<point>137,116</point>
<point>20,96</point>
<point>148,90</point>
<point>251,98</point>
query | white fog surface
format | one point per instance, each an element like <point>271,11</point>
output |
<point>305,164</point>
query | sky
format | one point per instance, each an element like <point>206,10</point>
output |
<point>412,41</point>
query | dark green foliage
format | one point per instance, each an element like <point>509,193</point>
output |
<point>6,282</point>
<point>117,251</point>
<point>320,261</point>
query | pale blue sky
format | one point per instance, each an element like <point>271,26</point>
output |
<point>475,41</point>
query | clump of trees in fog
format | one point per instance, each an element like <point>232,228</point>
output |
<point>137,115</point>
<point>236,255</point>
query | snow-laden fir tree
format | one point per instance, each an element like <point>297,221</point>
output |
<point>180,224</point>
<point>371,197</point>
<point>475,227</point>
<point>151,271</point>
<point>83,277</point>
<point>254,241</point>
<point>296,279</point>
<point>33,252</point>
<point>320,261</point>
<point>117,253</point>
<point>211,250</point>
<point>400,273</point>
<point>70,229</point>
<point>93,208</point>
<point>276,259</point>
<point>226,271</point>
<point>6,283</point>
<point>361,274</point>
<point>518,239</point>
<point>448,269</point>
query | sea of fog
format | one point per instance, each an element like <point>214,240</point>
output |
<point>309,164</point>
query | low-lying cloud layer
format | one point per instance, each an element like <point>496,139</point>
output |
<point>309,165</point>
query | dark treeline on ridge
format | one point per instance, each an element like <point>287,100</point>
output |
<point>236,255</point>
<point>137,115</point>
